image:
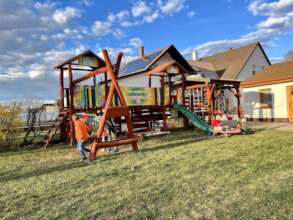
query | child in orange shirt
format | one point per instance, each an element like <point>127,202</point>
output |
<point>81,135</point>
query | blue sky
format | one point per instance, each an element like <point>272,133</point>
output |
<point>36,35</point>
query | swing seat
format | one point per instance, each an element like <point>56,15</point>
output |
<point>116,143</point>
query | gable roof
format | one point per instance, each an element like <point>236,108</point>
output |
<point>144,64</point>
<point>162,68</point>
<point>276,73</point>
<point>85,53</point>
<point>228,64</point>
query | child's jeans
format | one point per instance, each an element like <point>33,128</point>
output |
<point>82,149</point>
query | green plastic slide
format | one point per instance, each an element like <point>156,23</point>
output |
<point>195,120</point>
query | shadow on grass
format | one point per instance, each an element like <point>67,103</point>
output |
<point>28,150</point>
<point>107,158</point>
<point>176,144</point>
<point>10,176</point>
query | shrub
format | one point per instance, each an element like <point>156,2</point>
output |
<point>10,123</point>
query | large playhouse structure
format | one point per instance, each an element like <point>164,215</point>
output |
<point>184,99</point>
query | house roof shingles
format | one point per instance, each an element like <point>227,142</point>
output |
<point>227,64</point>
<point>276,73</point>
<point>143,64</point>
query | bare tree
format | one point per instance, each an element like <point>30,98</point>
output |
<point>289,55</point>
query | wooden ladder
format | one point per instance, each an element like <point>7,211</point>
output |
<point>63,115</point>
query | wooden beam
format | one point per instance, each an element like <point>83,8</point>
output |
<point>114,77</point>
<point>91,74</point>
<point>196,86</point>
<point>79,69</point>
<point>118,63</point>
<point>106,84</point>
<point>110,111</point>
<point>116,142</point>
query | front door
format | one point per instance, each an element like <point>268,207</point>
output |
<point>290,102</point>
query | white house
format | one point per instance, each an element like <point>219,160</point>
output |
<point>234,64</point>
<point>133,73</point>
<point>268,95</point>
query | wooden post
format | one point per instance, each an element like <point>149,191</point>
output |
<point>163,100</point>
<point>183,88</point>
<point>61,91</point>
<point>150,81</point>
<point>162,90</point>
<point>183,96</point>
<point>209,96</point>
<point>94,81</point>
<point>210,91</point>
<point>169,85</point>
<point>191,100</point>
<point>71,105</point>
<point>61,107</point>
<point>238,95</point>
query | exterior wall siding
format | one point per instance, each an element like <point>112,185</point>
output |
<point>279,108</point>
<point>257,62</point>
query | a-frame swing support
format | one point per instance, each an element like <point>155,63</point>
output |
<point>110,111</point>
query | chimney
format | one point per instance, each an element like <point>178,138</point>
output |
<point>194,55</point>
<point>141,52</point>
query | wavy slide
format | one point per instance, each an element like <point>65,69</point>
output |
<point>195,120</point>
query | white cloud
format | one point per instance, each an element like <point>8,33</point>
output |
<point>36,70</point>
<point>260,7</point>
<point>169,7</point>
<point>276,22</point>
<point>151,18</point>
<point>101,28</point>
<point>135,42</point>
<point>88,2</point>
<point>190,14</point>
<point>279,20</point>
<point>44,6</point>
<point>30,45</point>
<point>140,8</point>
<point>62,16</point>
<point>119,17</point>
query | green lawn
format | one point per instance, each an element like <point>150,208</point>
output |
<point>171,177</point>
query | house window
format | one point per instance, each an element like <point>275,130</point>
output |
<point>253,69</point>
<point>266,98</point>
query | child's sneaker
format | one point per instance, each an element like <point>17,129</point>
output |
<point>82,159</point>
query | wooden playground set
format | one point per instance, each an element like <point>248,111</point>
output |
<point>182,100</point>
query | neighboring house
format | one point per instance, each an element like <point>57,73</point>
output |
<point>268,95</point>
<point>133,73</point>
<point>234,64</point>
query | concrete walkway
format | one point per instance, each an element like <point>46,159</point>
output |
<point>270,125</point>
